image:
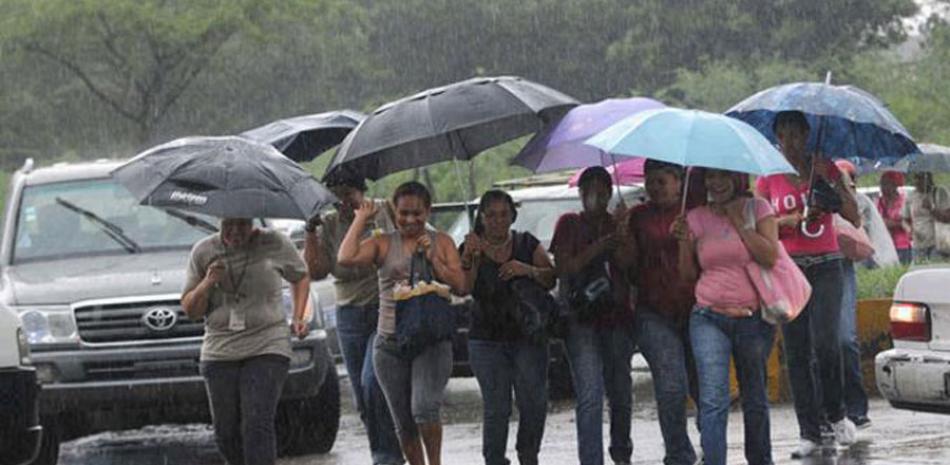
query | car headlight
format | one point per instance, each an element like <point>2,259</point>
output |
<point>287,301</point>
<point>49,325</point>
<point>24,345</point>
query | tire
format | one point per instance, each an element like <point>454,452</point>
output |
<point>49,445</point>
<point>309,426</point>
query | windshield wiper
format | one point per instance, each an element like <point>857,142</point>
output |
<point>109,228</point>
<point>191,220</point>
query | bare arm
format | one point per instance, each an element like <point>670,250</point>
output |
<point>352,251</point>
<point>543,271</point>
<point>316,256</point>
<point>446,263</point>
<point>568,263</point>
<point>195,301</point>
<point>300,293</point>
<point>686,259</point>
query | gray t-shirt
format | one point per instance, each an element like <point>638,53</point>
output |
<point>354,285</point>
<point>245,311</point>
<point>923,224</point>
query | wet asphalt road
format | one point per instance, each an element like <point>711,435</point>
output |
<point>897,437</point>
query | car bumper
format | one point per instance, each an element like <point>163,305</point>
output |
<point>20,431</point>
<point>914,379</point>
<point>130,387</point>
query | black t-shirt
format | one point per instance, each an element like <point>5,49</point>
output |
<point>495,311</point>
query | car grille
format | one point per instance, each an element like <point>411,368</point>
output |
<point>123,322</point>
<point>142,369</point>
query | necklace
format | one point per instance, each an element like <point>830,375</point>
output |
<point>497,249</point>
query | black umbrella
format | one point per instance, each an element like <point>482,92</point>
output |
<point>302,138</point>
<point>226,177</point>
<point>457,121</point>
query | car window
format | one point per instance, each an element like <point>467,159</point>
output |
<point>51,223</point>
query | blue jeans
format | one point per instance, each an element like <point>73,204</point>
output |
<point>665,349</point>
<point>356,330</point>
<point>855,398</point>
<point>501,367</point>
<point>813,351</point>
<point>715,338</point>
<point>600,364</point>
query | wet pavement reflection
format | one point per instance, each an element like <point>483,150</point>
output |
<point>896,437</point>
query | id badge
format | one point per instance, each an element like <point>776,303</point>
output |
<point>236,320</point>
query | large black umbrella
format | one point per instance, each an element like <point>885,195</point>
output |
<point>302,138</point>
<point>226,177</point>
<point>457,121</point>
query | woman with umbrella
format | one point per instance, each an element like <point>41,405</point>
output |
<point>413,385</point>
<point>234,282</point>
<point>664,303</point>
<point>806,229</point>
<point>504,354</point>
<point>927,211</point>
<point>891,207</point>
<point>716,244</point>
<point>591,250</point>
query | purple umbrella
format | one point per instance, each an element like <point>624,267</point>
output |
<point>562,147</point>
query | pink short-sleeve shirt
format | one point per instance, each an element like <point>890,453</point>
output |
<point>723,281</point>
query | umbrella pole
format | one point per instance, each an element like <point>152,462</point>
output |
<point>465,192</point>
<point>689,171</point>
<point>613,161</point>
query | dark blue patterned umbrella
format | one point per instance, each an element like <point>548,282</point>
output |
<point>846,122</point>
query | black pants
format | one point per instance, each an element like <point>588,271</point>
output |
<point>243,395</point>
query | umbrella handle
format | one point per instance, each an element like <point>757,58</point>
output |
<point>811,235</point>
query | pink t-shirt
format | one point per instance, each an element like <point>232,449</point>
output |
<point>787,198</point>
<point>723,281</point>
<point>894,211</point>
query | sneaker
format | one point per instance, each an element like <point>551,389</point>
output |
<point>805,449</point>
<point>844,431</point>
<point>861,422</point>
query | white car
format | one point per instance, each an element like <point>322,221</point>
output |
<point>915,374</point>
<point>20,430</point>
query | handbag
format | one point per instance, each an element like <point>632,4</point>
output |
<point>783,289</point>
<point>853,242</point>
<point>537,310</point>
<point>424,313</point>
<point>592,296</point>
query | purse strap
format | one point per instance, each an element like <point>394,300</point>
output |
<point>749,214</point>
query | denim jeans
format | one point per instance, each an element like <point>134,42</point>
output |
<point>812,347</point>
<point>600,364</point>
<point>243,396</point>
<point>855,398</point>
<point>715,338</point>
<point>356,330</point>
<point>501,367</point>
<point>665,348</point>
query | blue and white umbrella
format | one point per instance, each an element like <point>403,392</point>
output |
<point>846,122</point>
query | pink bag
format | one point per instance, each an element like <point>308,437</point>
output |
<point>853,242</point>
<point>783,289</point>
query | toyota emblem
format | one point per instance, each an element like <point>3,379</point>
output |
<point>160,319</point>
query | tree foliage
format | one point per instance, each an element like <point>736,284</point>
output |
<point>94,78</point>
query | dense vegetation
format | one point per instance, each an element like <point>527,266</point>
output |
<point>107,78</point>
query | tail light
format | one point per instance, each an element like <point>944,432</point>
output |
<point>910,321</point>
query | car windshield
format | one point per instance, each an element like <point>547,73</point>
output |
<point>93,217</point>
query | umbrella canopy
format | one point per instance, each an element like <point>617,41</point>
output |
<point>932,158</point>
<point>561,146</point>
<point>457,121</point>
<point>693,138</point>
<point>624,173</point>
<point>226,177</point>
<point>304,137</point>
<point>846,122</point>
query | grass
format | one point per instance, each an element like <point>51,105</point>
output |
<point>878,283</point>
